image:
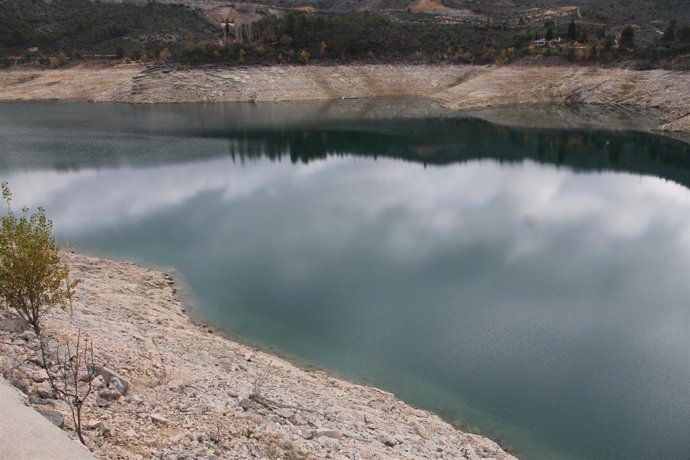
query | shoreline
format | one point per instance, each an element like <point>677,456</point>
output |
<point>192,392</point>
<point>454,87</point>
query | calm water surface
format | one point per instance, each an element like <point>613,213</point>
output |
<point>530,283</point>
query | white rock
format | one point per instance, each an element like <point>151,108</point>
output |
<point>92,424</point>
<point>105,429</point>
<point>98,383</point>
<point>285,413</point>
<point>158,419</point>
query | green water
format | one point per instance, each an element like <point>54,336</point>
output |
<point>529,283</point>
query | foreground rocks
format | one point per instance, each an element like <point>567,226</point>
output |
<point>174,390</point>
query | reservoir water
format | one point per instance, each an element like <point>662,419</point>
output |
<point>529,283</point>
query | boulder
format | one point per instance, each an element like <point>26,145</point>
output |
<point>92,424</point>
<point>39,376</point>
<point>21,384</point>
<point>44,390</point>
<point>285,413</point>
<point>109,375</point>
<point>335,434</point>
<point>176,385</point>
<point>36,401</point>
<point>15,325</point>
<point>110,395</point>
<point>388,440</point>
<point>245,403</point>
<point>98,383</point>
<point>54,416</point>
<point>105,429</point>
<point>28,336</point>
<point>158,419</point>
<point>118,385</point>
<point>38,360</point>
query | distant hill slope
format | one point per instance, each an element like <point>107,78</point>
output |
<point>618,11</point>
<point>303,31</point>
<point>87,27</point>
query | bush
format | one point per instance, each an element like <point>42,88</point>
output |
<point>33,279</point>
<point>304,56</point>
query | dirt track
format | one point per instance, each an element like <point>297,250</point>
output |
<point>456,87</point>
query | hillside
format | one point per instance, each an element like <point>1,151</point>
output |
<point>291,32</point>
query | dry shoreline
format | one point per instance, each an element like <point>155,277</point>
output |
<point>189,389</point>
<point>456,87</point>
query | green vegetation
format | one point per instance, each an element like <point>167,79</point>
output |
<point>33,279</point>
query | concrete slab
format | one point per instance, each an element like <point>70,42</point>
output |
<point>27,435</point>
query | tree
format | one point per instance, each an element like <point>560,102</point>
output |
<point>670,33</point>
<point>550,26</point>
<point>572,30</point>
<point>627,40</point>
<point>683,34</point>
<point>33,279</point>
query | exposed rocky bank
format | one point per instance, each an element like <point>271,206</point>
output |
<point>456,87</point>
<point>173,389</point>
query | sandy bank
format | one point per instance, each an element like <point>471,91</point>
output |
<point>189,388</point>
<point>456,87</point>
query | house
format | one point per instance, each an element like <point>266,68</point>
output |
<point>543,43</point>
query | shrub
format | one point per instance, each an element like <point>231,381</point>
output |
<point>72,377</point>
<point>304,56</point>
<point>506,56</point>
<point>164,55</point>
<point>33,279</point>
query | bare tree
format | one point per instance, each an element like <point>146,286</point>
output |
<point>72,380</point>
<point>259,381</point>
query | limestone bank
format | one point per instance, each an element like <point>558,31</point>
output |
<point>184,392</point>
<point>457,87</point>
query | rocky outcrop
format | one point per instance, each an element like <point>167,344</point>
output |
<point>666,91</point>
<point>191,393</point>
